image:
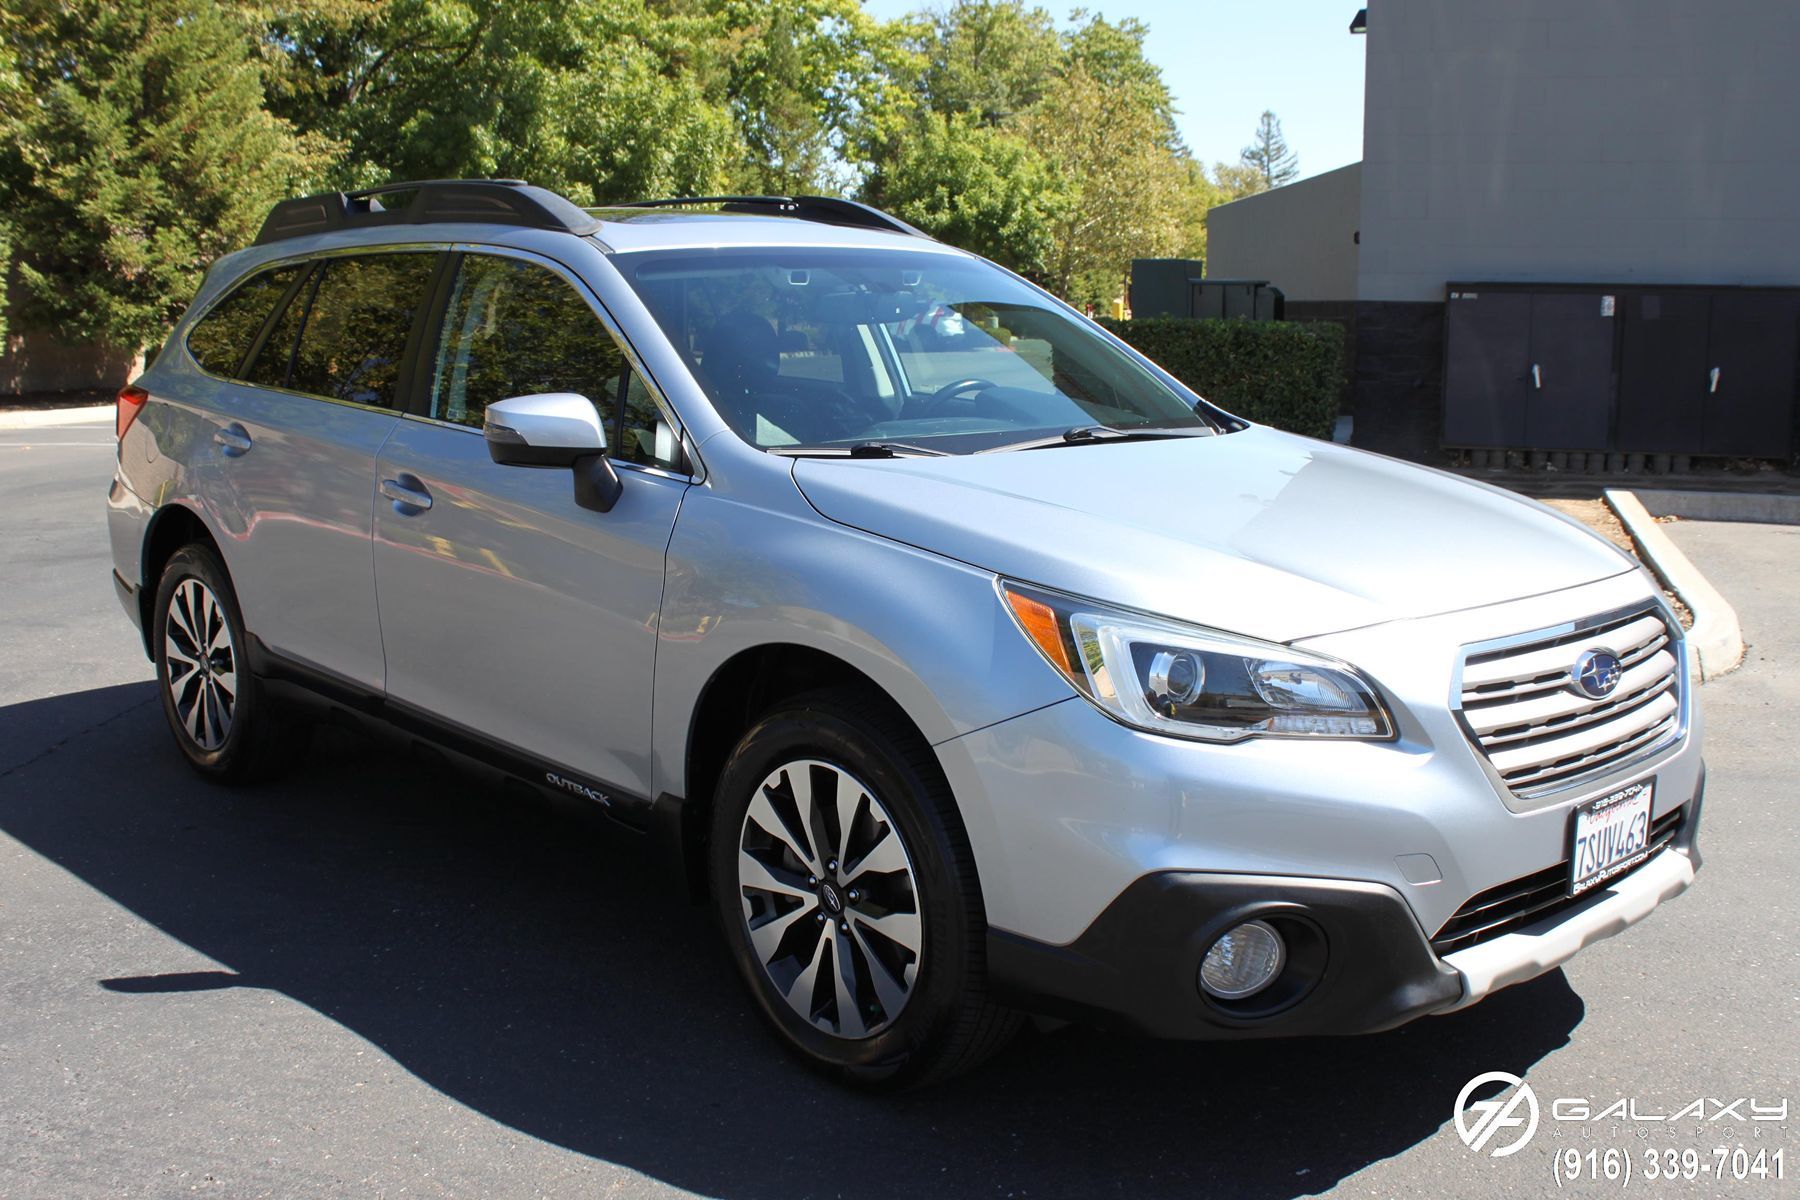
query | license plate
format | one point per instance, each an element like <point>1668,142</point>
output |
<point>1611,835</point>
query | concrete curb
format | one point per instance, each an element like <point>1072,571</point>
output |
<point>1766,508</point>
<point>41,418</point>
<point>1715,642</point>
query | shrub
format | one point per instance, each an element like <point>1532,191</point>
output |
<point>1281,373</point>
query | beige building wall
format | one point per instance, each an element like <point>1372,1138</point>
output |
<point>1301,238</point>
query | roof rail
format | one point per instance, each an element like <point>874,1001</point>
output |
<point>827,210</point>
<point>433,202</point>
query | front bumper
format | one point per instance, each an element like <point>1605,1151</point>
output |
<point>1358,961</point>
<point>1531,950</point>
<point>1070,813</point>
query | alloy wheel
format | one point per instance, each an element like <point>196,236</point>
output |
<point>202,664</point>
<point>830,898</point>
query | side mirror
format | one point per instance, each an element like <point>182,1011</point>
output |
<point>550,429</point>
<point>555,429</point>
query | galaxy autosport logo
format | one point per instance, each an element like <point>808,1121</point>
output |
<point>1488,1126</point>
<point>1506,1117</point>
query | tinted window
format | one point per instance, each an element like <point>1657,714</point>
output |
<point>826,348</point>
<point>270,368</point>
<point>513,328</point>
<point>356,328</point>
<point>223,336</point>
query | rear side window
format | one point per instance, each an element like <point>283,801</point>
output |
<point>356,328</point>
<point>513,328</point>
<point>272,363</point>
<point>220,340</point>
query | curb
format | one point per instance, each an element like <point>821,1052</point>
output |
<point>1716,642</point>
<point>41,418</point>
<point>1765,508</point>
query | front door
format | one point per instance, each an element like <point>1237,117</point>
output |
<point>506,609</point>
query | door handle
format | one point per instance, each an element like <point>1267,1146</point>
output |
<point>1715,381</point>
<point>408,494</point>
<point>234,439</point>
<point>1537,379</point>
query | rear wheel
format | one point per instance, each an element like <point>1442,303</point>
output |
<point>848,895</point>
<point>223,721</point>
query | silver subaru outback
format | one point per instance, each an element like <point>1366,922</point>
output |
<point>962,659</point>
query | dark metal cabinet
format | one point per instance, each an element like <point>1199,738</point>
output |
<point>1709,371</point>
<point>1568,399</point>
<point>1488,335</point>
<point>1661,368</point>
<point>1749,400</point>
<point>1160,286</point>
<point>1528,368</point>
<point>1698,370</point>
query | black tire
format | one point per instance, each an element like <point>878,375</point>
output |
<point>946,1023</point>
<point>244,735</point>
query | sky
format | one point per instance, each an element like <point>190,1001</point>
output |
<point>1227,60</point>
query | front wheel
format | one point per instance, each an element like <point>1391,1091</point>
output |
<point>848,894</point>
<point>224,724</point>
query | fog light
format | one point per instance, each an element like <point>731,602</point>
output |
<point>1243,962</point>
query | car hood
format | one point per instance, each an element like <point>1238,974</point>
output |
<point>1258,532</point>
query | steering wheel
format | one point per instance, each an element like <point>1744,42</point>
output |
<point>951,391</point>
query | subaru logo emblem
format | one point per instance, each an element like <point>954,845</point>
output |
<point>1596,673</point>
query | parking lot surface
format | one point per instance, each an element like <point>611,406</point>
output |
<point>375,979</point>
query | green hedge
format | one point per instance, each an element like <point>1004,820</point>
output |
<point>1282,373</point>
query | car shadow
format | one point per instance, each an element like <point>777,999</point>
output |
<point>539,970</point>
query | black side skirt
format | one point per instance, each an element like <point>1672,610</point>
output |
<point>317,687</point>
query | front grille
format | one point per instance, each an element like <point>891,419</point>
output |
<point>1519,706</point>
<point>1533,897</point>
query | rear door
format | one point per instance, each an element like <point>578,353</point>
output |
<point>291,464</point>
<point>508,610</point>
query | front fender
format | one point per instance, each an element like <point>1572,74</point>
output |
<point>930,631</point>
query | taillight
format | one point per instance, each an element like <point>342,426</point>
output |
<point>131,402</point>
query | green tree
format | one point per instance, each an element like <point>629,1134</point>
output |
<point>1055,153</point>
<point>991,60</point>
<point>1268,154</point>
<point>1113,54</point>
<point>143,153</point>
<point>574,95</point>
<point>1125,186</point>
<point>813,85</point>
<point>978,188</point>
<point>12,108</point>
<point>1234,181</point>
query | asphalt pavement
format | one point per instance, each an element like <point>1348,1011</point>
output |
<point>376,978</point>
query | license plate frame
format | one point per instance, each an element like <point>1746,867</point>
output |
<point>1623,805</point>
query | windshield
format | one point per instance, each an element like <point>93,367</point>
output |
<point>806,348</point>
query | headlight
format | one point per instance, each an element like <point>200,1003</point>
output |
<point>1192,682</point>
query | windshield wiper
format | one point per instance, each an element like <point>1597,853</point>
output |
<point>1081,435</point>
<point>860,450</point>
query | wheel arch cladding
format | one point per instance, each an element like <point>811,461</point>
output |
<point>173,526</point>
<point>743,688</point>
